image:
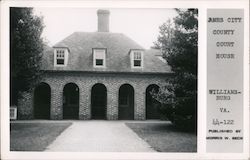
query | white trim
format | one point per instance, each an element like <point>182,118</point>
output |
<point>66,53</point>
<point>132,58</point>
<point>94,58</point>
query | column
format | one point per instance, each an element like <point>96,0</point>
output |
<point>139,103</point>
<point>56,110</point>
<point>84,102</point>
<point>112,102</point>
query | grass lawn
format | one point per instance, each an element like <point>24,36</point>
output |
<point>34,136</point>
<point>164,137</point>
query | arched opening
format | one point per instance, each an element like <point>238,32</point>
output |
<point>152,105</point>
<point>98,101</point>
<point>70,101</point>
<point>42,96</point>
<point>126,102</point>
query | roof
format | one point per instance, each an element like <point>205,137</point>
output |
<point>80,45</point>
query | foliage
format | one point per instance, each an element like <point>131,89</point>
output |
<point>178,42</point>
<point>26,47</point>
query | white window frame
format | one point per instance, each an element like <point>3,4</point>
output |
<point>66,52</point>
<point>94,58</point>
<point>132,57</point>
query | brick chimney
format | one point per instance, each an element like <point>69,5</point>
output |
<point>103,20</point>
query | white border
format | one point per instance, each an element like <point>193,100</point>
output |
<point>202,6</point>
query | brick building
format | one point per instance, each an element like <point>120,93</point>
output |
<point>96,75</point>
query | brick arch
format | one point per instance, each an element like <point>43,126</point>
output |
<point>125,83</point>
<point>150,85</point>
<point>93,84</point>
<point>71,101</point>
<point>126,98</point>
<point>42,101</point>
<point>71,82</point>
<point>152,105</point>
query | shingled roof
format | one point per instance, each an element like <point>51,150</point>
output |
<point>81,45</point>
<point>117,45</point>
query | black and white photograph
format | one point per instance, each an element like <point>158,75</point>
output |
<point>127,79</point>
<point>103,79</point>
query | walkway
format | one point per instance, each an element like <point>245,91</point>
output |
<point>99,136</point>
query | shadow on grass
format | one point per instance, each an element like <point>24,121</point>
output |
<point>164,137</point>
<point>34,136</point>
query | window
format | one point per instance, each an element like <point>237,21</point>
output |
<point>60,57</point>
<point>137,59</point>
<point>99,62</point>
<point>99,58</point>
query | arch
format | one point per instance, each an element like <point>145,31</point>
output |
<point>98,101</point>
<point>42,100</point>
<point>70,101</point>
<point>126,102</point>
<point>152,105</point>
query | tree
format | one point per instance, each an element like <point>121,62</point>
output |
<point>178,42</point>
<point>26,47</point>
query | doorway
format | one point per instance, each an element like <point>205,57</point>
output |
<point>152,105</point>
<point>126,102</point>
<point>70,101</point>
<point>98,101</point>
<point>42,96</point>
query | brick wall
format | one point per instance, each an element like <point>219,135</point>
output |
<point>85,81</point>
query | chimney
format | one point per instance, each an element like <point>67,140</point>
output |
<point>103,20</point>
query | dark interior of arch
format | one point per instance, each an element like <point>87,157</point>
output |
<point>152,105</point>
<point>42,98</point>
<point>126,102</point>
<point>70,101</point>
<point>98,101</point>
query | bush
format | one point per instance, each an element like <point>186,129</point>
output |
<point>181,112</point>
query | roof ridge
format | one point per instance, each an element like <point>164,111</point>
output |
<point>79,33</point>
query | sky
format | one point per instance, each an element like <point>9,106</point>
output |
<point>141,25</point>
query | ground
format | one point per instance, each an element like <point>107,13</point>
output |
<point>164,137</point>
<point>34,136</point>
<point>100,136</point>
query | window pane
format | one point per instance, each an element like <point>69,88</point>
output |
<point>99,54</point>
<point>60,55</point>
<point>99,62</point>
<point>137,55</point>
<point>137,63</point>
<point>60,61</point>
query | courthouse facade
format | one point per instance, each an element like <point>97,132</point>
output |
<point>96,75</point>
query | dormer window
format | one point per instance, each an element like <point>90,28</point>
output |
<point>137,58</point>
<point>60,56</point>
<point>99,57</point>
